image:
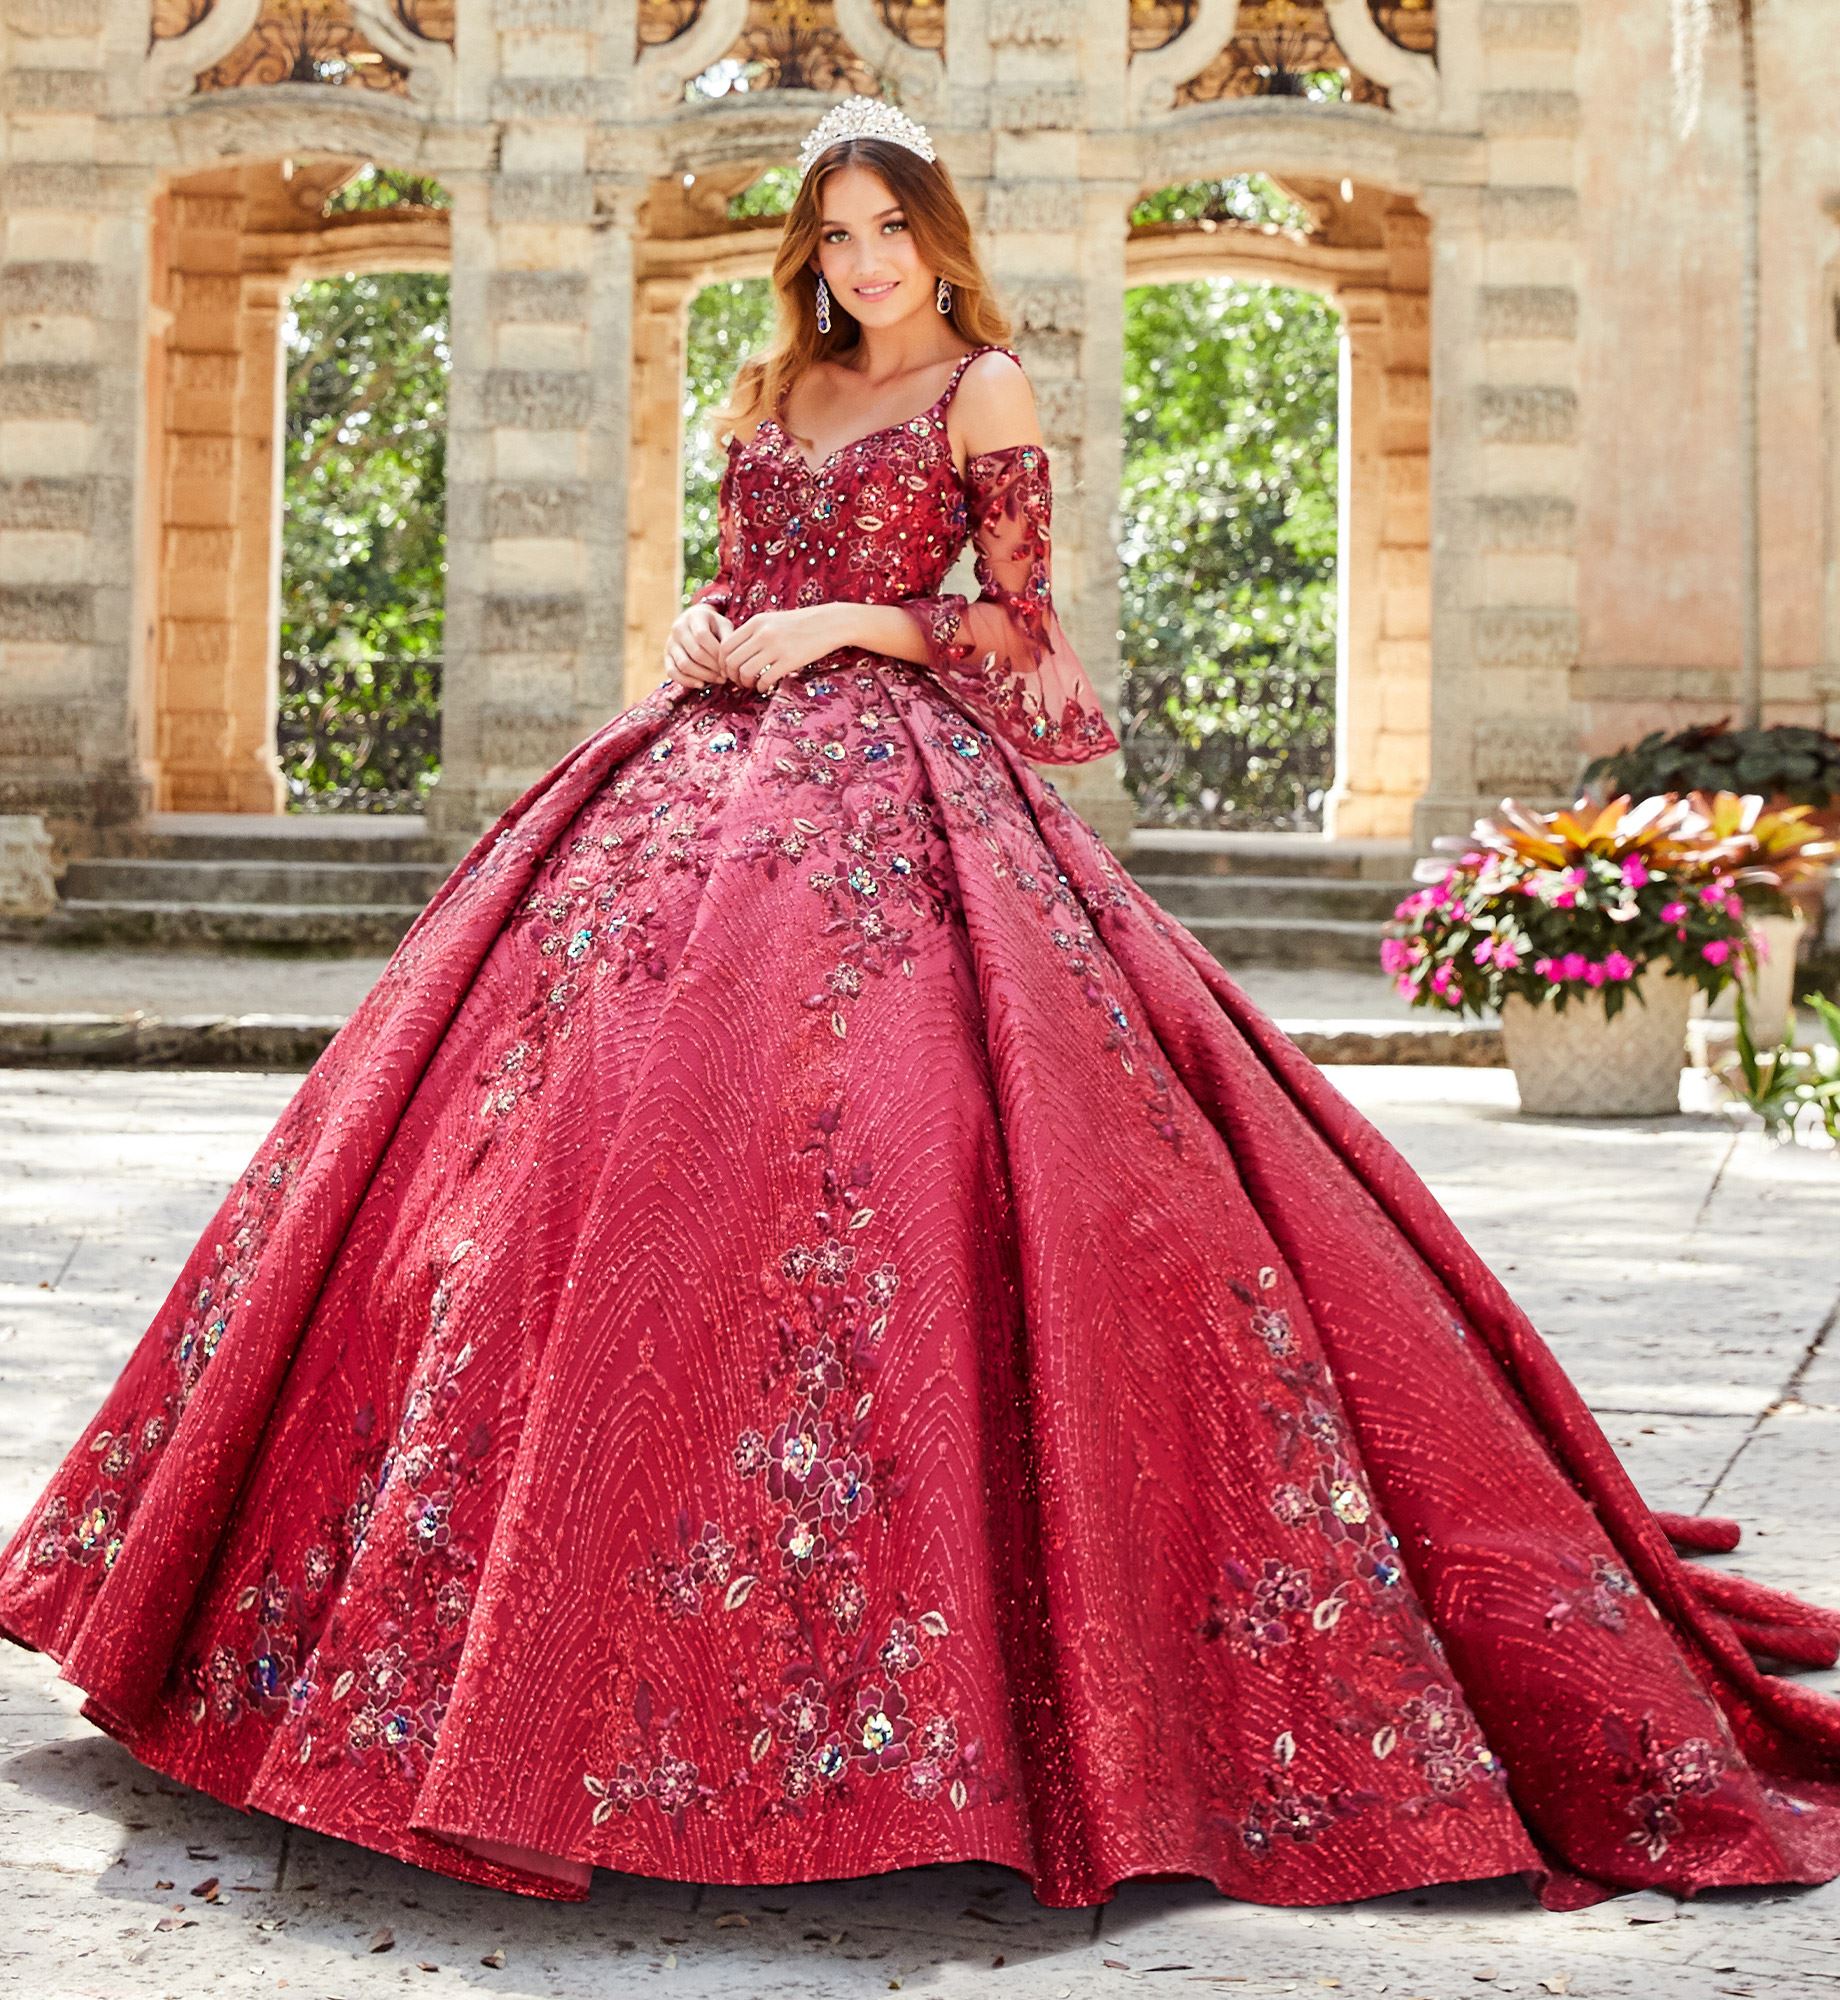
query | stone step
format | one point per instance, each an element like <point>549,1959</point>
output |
<point>1294,897</point>
<point>252,879</point>
<point>1194,851</point>
<point>1324,941</point>
<point>347,837</point>
<point>332,930</point>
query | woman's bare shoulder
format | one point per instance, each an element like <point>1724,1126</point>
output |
<point>996,404</point>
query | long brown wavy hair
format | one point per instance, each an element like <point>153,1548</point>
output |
<point>941,230</point>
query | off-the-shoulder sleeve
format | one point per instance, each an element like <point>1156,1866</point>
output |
<point>1004,656</point>
<point>719,589</point>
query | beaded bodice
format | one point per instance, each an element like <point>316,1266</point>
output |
<point>881,520</point>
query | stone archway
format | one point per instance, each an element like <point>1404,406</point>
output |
<point>228,244</point>
<point>1370,259</point>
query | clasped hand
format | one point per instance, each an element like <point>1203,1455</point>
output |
<point>705,647</point>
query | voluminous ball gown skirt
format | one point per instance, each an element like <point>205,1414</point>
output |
<point>806,1326</point>
<point>781,1344</point>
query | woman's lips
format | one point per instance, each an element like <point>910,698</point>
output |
<point>874,291</point>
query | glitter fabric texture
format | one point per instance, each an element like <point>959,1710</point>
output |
<point>806,1326</point>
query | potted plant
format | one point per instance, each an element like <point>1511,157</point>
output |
<point>1775,854</point>
<point>1787,763</point>
<point>1589,930</point>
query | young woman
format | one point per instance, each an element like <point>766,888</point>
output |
<point>806,1326</point>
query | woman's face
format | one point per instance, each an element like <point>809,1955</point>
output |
<point>866,251</point>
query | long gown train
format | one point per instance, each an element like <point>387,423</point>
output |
<point>805,1326</point>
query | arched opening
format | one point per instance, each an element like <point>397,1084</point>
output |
<point>1276,603</point>
<point>233,246</point>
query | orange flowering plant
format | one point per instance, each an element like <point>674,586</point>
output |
<point>1577,904</point>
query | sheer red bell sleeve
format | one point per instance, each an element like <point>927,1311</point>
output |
<point>1004,656</point>
<point>719,589</point>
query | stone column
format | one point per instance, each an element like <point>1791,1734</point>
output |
<point>1054,234</point>
<point>216,585</point>
<point>1504,315</point>
<point>1357,803</point>
<point>655,547</point>
<point>540,406</point>
<point>72,276</point>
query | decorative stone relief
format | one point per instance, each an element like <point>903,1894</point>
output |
<point>398,47</point>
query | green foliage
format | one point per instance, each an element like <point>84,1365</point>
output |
<point>364,496</point>
<point>728,322</point>
<point>1788,1085</point>
<point>363,534</point>
<point>1228,528</point>
<point>1253,199</point>
<point>771,194</point>
<point>1785,760</point>
<point>373,187</point>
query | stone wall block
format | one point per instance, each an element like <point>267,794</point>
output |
<point>1525,521</point>
<point>47,288</point>
<point>52,90</point>
<point>538,399</point>
<point>1535,214</point>
<point>541,198</point>
<point>532,622</point>
<point>28,888</point>
<point>548,509</point>
<point>61,506</point>
<point>1526,757</point>
<point>1530,114</point>
<point>1529,312</point>
<point>538,298</point>
<point>579,98</point>
<point>1513,636</point>
<point>63,612</point>
<point>48,390</point>
<point>1526,413</point>
<point>1529,26</point>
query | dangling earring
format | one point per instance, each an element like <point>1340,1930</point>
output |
<point>942,296</point>
<point>824,306</point>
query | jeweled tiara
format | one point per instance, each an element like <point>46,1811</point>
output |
<point>864,118</point>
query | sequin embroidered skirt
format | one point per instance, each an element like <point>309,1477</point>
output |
<point>805,1326</point>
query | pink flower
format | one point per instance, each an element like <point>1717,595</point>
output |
<point>1565,899</point>
<point>1394,955</point>
<point>1673,912</point>
<point>1506,957</point>
<point>1635,871</point>
<point>1485,951</point>
<point>1713,892</point>
<point>1545,968</point>
<point>1595,975</point>
<point>1617,966</point>
<point>1403,985</point>
<point>1717,951</point>
<point>1572,965</point>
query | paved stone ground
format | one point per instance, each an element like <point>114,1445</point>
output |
<point>1686,1271</point>
<point>46,979</point>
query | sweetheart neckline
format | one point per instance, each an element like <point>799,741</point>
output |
<point>737,444</point>
<point>900,424</point>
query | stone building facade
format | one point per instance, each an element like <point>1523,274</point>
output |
<point>1537,282</point>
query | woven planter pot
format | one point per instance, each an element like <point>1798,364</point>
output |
<point>1769,992</point>
<point>1579,1064</point>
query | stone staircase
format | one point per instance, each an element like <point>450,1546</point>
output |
<point>1276,898</point>
<point>348,884</point>
<point>352,884</point>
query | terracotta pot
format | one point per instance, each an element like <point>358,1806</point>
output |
<point>1579,1063</point>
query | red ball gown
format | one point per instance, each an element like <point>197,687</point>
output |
<point>806,1326</point>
